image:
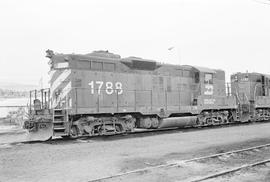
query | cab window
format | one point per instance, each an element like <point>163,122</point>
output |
<point>208,78</point>
<point>197,77</point>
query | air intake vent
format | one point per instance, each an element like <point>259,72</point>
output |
<point>140,64</point>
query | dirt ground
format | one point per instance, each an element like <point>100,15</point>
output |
<point>85,160</point>
<point>195,170</point>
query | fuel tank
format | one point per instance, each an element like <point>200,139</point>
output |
<point>179,122</point>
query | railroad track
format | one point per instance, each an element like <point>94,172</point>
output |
<point>183,163</point>
<point>226,171</point>
<point>230,171</point>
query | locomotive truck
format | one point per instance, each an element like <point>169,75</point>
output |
<point>103,94</point>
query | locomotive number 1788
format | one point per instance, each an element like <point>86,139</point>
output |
<point>108,87</point>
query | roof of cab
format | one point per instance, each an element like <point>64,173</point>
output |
<point>202,69</point>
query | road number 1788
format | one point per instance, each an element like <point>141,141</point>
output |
<point>108,87</point>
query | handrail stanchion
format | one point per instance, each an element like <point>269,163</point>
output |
<point>76,101</point>
<point>45,99</point>
<point>30,104</point>
<point>151,95</point>
<point>117,101</point>
<point>49,106</point>
<point>35,94</point>
<point>166,102</point>
<point>135,100</point>
<point>41,98</point>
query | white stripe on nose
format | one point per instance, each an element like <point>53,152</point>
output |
<point>65,91</point>
<point>61,78</point>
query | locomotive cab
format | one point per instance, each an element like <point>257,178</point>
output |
<point>216,106</point>
<point>211,91</point>
<point>253,91</point>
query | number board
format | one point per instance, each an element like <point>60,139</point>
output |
<point>108,87</point>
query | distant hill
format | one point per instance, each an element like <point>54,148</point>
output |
<point>17,86</point>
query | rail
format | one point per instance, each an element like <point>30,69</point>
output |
<point>13,106</point>
<point>230,171</point>
<point>182,162</point>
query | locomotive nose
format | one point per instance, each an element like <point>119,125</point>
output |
<point>38,130</point>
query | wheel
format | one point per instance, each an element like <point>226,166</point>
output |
<point>146,123</point>
<point>74,132</point>
<point>209,121</point>
<point>154,123</point>
<point>117,128</point>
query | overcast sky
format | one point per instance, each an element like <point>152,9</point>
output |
<point>233,35</point>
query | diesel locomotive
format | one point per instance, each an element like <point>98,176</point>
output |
<point>102,94</point>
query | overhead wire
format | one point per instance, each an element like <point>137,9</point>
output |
<point>267,2</point>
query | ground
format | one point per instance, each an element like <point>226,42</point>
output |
<point>88,159</point>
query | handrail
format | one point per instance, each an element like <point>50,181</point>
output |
<point>43,95</point>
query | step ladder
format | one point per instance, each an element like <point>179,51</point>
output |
<point>238,113</point>
<point>60,122</point>
<point>239,107</point>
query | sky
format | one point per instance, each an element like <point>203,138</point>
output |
<point>233,35</point>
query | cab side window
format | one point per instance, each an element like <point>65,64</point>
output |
<point>197,77</point>
<point>208,78</point>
